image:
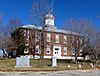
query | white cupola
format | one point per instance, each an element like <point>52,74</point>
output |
<point>49,20</point>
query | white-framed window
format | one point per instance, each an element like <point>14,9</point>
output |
<point>65,39</point>
<point>81,40</point>
<point>26,44</point>
<point>37,36</point>
<point>48,49</point>
<point>57,38</point>
<point>65,50</point>
<point>24,33</point>
<point>48,37</point>
<point>73,51</point>
<point>26,50</point>
<point>37,49</point>
<point>27,35</point>
<point>81,51</point>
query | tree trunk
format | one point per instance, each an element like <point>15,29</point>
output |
<point>42,43</point>
<point>75,58</point>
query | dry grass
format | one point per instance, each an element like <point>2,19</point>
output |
<point>6,63</point>
<point>40,65</point>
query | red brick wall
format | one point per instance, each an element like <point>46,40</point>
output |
<point>61,43</point>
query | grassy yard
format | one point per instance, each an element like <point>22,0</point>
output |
<point>9,64</point>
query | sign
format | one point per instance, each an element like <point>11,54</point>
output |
<point>22,61</point>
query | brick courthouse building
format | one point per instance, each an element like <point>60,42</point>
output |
<point>56,41</point>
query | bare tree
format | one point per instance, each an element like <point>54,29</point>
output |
<point>40,9</point>
<point>97,47</point>
<point>76,41</point>
<point>84,34</point>
<point>6,41</point>
<point>3,36</point>
<point>13,24</point>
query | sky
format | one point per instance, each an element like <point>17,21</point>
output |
<point>63,9</point>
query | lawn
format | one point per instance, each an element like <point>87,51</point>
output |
<point>38,65</point>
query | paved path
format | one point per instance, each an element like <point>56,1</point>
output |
<point>64,73</point>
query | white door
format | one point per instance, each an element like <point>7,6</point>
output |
<point>57,51</point>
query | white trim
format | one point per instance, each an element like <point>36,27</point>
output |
<point>48,37</point>
<point>37,57</point>
<point>27,38</point>
<point>24,33</point>
<point>29,56</point>
<point>56,30</point>
<point>81,50</point>
<point>63,57</point>
<point>65,39</point>
<point>37,49</point>
<point>47,57</point>
<point>81,40</point>
<point>69,57</point>
<point>73,51</point>
<point>48,49</point>
<point>57,38</point>
<point>57,51</point>
<point>65,49</point>
<point>27,44</point>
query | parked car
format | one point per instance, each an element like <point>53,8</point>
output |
<point>3,53</point>
<point>12,54</point>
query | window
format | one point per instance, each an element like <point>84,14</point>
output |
<point>57,49</point>
<point>27,44</point>
<point>73,51</point>
<point>80,51</point>
<point>37,49</point>
<point>24,33</point>
<point>65,50</point>
<point>48,49</point>
<point>37,36</point>
<point>27,35</point>
<point>65,39</point>
<point>81,40</point>
<point>57,38</point>
<point>48,37</point>
<point>26,50</point>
